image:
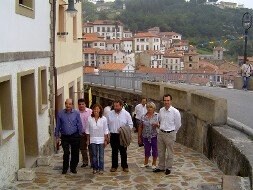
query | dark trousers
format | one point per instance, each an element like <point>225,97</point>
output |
<point>70,142</point>
<point>84,150</point>
<point>116,148</point>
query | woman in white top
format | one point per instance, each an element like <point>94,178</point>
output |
<point>97,137</point>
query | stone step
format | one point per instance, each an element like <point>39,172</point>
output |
<point>235,183</point>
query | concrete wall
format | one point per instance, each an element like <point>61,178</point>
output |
<point>204,124</point>
<point>20,33</point>
<point>238,83</point>
<point>9,153</point>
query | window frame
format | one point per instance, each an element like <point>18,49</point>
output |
<point>24,10</point>
<point>43,106</point>
<point>6,135</point>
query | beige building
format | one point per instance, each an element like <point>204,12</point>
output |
<point>68,53</point>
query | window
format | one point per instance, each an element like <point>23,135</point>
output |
<point>103,29</point>
<point>190,58</point>
<point>42,89</point>
<point>190,65</point>
<point>142,40</point>
<point>137,48</point>
<point>6,121</point>
<point>25,8</point>
<point>72,92</point>
<point>108,29</point>
<point>61,19</point>
<point>98,29</point>
<point>79,92</point>
<point>74,28</point>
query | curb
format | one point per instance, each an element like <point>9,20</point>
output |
<point>240,126</point>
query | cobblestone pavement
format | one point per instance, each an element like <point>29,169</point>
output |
<point>190,170</point>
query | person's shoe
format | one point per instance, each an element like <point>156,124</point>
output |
<point>153,167</point>
<point>73,171</point>
<point>113,169</point>
<point>125,170</point>
<point>144,165</point>
<point>64,171</point>
<point>100,172</point>
<point>94,171</point>
<point>167,172</point>
<point>84,165</point>
<point>157,170</point>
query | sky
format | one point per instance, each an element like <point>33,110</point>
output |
<point>247,3</point>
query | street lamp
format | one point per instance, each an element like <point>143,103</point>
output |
<point>246,23</point>
<point>71,8</point>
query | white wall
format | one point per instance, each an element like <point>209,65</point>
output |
<point>9,153</point>
<point>20,33</point>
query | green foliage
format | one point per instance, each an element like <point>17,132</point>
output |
<point>89,11</point>
<point>203,25</point>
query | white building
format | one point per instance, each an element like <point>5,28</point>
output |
<point>107,28</point>
<point>113,44</point>
<point>146,41</point>
<point>93,40</point>
<point>173,62</point>
<point>127,34</point>
<point>127,45</point>
<point>24,84</point>
<point>130,59</point>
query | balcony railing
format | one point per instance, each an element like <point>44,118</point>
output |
<point>133,80</point>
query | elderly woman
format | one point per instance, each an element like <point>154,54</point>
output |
<point>147,134</point>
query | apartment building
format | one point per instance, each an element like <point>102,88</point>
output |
<point>126,45</point>
<point>109,29</point>
<point>173,61</point>
<point>146,41</point>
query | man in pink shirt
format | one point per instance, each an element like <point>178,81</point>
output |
<point>84,114</point>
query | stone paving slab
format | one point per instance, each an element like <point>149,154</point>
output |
<point>191,170</point>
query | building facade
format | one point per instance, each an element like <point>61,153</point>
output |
<point>106,28</point>
<point>24,84</point>
<point>146,41</point>
<point>68,53</point>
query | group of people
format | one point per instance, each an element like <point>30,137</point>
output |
<point>87,129</point>
<point>157,132</point>
<point>91,130</point>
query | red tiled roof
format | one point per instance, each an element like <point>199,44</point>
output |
<point>113,41</point>
<point>91,50</point>
<point>113,66</point>
<point>127,39</point>
<point>87,69</point>
<point>145,34</point>
<point>106,52</point>
<point>207,65</point>
<point>172,55</point>
<point>91,37</point>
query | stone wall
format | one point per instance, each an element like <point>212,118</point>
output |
<point>204,125</point>
<point>239,82</point>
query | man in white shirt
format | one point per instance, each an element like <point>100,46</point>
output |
<point>117,118</point>
<point>246,70</point>
<point>140,110</point>
<point>170,122</point>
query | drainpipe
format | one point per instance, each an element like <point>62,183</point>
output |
<point>53,78</point>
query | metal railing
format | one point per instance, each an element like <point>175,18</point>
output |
<point>133,80</point>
